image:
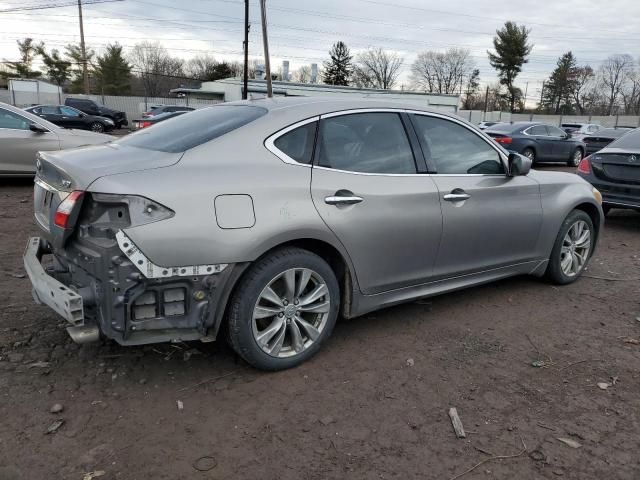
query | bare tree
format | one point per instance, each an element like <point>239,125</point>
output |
<point>442,72</point>
<point>303,74</point>
<point>377,68</point>
<point>201,67</point>
<point>614,74</point>
<point>159,71</point>
<point>583,91</point>
<point>631,92</point>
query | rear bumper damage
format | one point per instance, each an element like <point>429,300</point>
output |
<point>108,287</point>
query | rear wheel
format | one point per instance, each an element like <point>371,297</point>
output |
<point>572,248</point>
<point>97,127</point>
<point>576,157</point>
<point>284,309</point>
<point>530,154</point>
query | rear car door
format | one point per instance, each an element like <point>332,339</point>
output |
<point>490,220</point>
<point>562,146</point>
<point>18,144</point>
<point>367,188</point>
<point>543,142</point>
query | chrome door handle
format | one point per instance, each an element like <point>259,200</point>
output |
<point>336,200</point>
<point>456,197</point>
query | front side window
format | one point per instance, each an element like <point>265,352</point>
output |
<point>49,110</point>
<point>555,131</point>
<point>70,112</point>
<point>13,120</point>
<point>454,149</point>
<point>366,143</point>
<point>298,143</point>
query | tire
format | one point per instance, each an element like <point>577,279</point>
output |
<point>606,209</point>
<point>96,127</point>
<point>576,157</point>
<point>277,318</point>
<point>565,244</point>
<point>529,153</point>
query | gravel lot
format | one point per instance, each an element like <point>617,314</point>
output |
<point>372,404</point>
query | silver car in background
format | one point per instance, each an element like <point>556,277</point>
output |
<point>23,134</point>
<point>266,219</point>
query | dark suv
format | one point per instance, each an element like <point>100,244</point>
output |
<point>92,108</point>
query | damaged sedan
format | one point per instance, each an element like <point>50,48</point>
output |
<point>264,220</point>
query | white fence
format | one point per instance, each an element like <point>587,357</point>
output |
<point>477,116</point>
<point>133,106</point>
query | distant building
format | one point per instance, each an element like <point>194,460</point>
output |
<point>230,89</point>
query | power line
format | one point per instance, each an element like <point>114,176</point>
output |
<point>44,6</point>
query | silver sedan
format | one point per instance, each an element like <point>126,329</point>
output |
<point>267,219</point>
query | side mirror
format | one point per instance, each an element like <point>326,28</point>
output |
<point>34,127</point>
<point>567,136</point>
<point>518,164</point>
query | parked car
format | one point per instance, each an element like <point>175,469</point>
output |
<point>166,109</point>
<point>538,142</point>
<point>23,134</point>
<point>69,117</point>
<point>149,121</point>
<point>615,171</point>
<point>602,138</point>
<point>93,108</point>
<point>579,130</point>
<point>236,215</point>
<point>484,125</point>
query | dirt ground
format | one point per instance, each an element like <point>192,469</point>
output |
<point>372,404</point>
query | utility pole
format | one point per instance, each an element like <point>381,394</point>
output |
<point>526,90</point>
<point>245,80</point>
<point>265,41</point>
<point>541,95</point>
<point>486,102</point>
<point>85,73</point>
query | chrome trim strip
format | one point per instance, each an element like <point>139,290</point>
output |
<point>151,270</point>
<point>44,185</point>
<point>269,143</point>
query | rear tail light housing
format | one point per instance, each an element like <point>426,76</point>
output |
<point>584,166</point>
<point>503,140</point>
<point>145,124</point>
<point>66,208</point>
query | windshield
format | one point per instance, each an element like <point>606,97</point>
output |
<point>193,128</point>
<point>630,140</point>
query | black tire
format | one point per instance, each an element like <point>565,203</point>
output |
<point>576,157</point>
<point>241,307</point>
<point>530,153</point>
<point>97,127</point>
<point>606,209</point>
<point>554,271</point>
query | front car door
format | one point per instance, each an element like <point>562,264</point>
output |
<point>18,144</point>
<point>367,188</point>
<point>490,220</point>
<point>73,118</point>
<point>562,146</point>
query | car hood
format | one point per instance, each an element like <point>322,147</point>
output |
<point>77,168</point>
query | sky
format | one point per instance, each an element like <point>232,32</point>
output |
<point>303,32</point>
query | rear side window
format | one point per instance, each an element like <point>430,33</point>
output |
<point>184,132</point>
<point>298,143</point>
<point>367,143</point>
<point>538,130</point>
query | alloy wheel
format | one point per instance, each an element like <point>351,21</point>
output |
<point>575,248</point>
<point>291,312</point>
<point>97,127</point>
<point>576,158</point>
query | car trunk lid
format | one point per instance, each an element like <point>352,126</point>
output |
<point>617,167</point>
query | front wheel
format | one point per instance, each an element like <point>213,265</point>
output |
<point>572,248</point>
<point>284,308</point>
<point>97,127</point>
<point>576,158</point>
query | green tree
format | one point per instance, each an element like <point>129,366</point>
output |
<point>57,69</point>
<point>338,69</point>
<point>112,71</point>
<point>559,89</point>
<point>74,54</point>
<point>511,51</point>
<point>23,67</point>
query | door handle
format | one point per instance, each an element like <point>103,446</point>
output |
<point>342,200</point>
<point>457,197</point>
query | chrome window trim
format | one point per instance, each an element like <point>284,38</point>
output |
<point>269,143</point>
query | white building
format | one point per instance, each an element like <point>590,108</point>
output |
<point>230,89</point>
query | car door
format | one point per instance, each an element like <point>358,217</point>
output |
<point>73,118</point>
<point>489,220</point>
<point>18,144</point>
<point>366,187</point>
<point>562,146</point>
<point>543,143</point>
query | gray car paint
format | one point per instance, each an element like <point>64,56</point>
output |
<point>18,147</point>
<point>398,244</point>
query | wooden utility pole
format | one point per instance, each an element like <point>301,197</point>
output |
<point>85,73</point>
<point>265,41</point>
<point>245,80</point>
<point>486,102</point>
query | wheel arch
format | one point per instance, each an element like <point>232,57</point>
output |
<point>594,213</point>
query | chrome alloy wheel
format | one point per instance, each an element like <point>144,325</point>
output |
<point>577,157</point>
<point>575,249</point>
<point>291,312</point>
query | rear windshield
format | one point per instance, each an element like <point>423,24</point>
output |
<point>503,127</point>
<point>613,132</point>
<point>194,128</point>
<point>630,140</point>
<point>572,125</point>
